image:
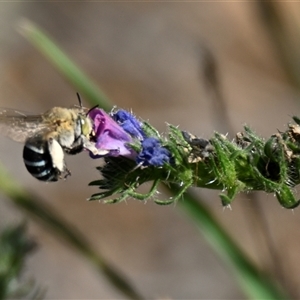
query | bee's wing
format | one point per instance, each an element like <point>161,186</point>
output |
<point>18,125</point>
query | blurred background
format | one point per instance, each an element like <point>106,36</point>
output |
<point>202,66</point>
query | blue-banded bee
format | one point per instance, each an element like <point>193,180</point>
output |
<point>48,136</point>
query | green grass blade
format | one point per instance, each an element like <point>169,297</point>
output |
<point>45,215</point>
<point>255,284</point>
<point>64,64</point>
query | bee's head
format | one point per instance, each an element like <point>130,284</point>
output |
<point>84,122</point>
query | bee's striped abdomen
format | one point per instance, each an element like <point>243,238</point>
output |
<point>38,160</point>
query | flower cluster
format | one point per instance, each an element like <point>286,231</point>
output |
<point>136,153</point>
<point>118,131</point>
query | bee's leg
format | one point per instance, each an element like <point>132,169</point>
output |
<point>65,174</point>
<point>57,155</point>
<point>68,173</point>
<point>88,145</point>
<point>76,147</point>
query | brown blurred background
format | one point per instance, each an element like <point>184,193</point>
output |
<point>157,59</point>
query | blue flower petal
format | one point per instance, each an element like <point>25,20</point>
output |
<point>129,123</point>
<point>153,153</point>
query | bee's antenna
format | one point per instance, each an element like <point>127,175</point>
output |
<point>92,109</point>
<point>80,104</point>
<point>79,100</point>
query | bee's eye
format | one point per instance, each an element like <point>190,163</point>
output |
<point>85,127</point>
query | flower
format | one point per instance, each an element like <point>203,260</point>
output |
<point>110,135</point>
<point>129,123</point>
<point>115,133</point>
<point>153,153</point>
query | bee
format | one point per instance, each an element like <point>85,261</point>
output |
<point>47,137</point>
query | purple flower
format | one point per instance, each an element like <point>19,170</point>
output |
<point>129,123</point>
<point>153,153</point>
<point>114,133</point>
<point>109,135</point>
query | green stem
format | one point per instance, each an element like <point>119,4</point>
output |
<point>64,65</point>
<point>47,217</point>
<point>255,284</point>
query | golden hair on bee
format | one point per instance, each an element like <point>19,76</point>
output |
<point>48,136</point>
